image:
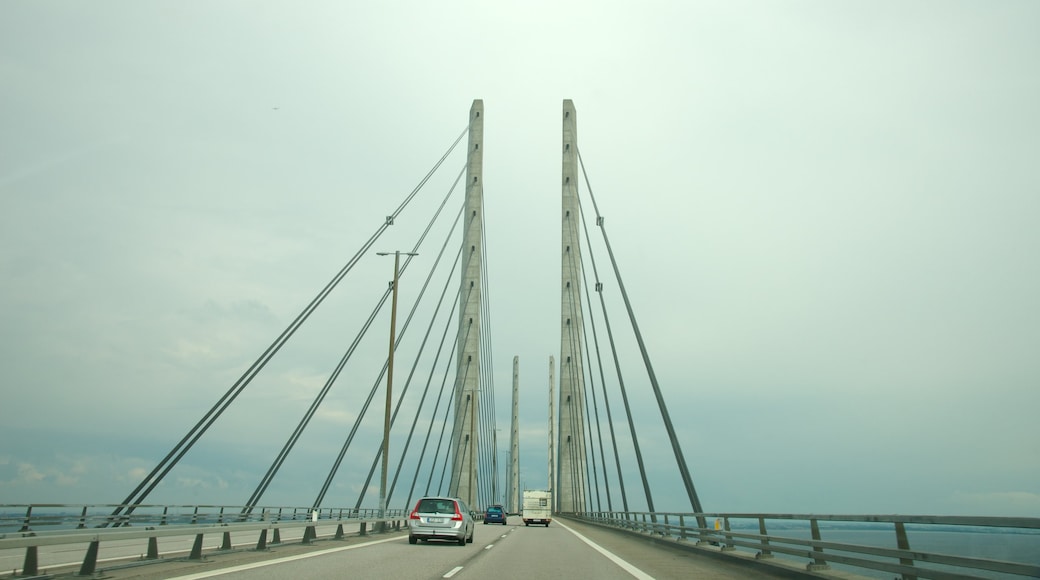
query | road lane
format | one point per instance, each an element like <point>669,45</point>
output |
<point>538,552</point>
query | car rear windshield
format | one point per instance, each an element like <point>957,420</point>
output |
<point>494,510</point>
<point>437,506</point>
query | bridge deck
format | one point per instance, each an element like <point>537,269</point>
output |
<point>564,549</point>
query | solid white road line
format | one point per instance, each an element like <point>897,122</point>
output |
<point>243,567</point>
<point>609,555</point>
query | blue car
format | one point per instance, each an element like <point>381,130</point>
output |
<point>495,515</point>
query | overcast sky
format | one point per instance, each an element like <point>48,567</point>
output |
<point>826,214</point>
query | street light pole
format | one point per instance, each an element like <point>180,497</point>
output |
<point>389,384</point>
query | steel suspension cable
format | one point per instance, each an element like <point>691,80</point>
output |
<point>577,372</point>
<point>628,409</point>
<point>404,391</point>
<point>386,365</point>
<point>488,382</point>
<point>429,378</point>
<point>603,379</point>
<point>433,414</point>
<point>141,492</point>
<point>676,449</point>
<point>599,362</point>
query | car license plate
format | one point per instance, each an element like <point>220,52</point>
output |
<point>435,520</point>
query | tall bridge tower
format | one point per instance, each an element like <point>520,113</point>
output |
<point>570,483</point>
<point>465,441</point>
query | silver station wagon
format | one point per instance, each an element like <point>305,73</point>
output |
<point>440,518</point>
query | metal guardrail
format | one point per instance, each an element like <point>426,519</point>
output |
<point>35,525</point>
<point>733,531</point>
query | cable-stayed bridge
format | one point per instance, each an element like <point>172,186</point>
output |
<point>424,419</point>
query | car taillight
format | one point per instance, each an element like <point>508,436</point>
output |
<point>458,515</point>
<point>415,513</point>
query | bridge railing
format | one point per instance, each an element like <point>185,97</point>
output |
<point>31,526</point>
<point>942,547</point>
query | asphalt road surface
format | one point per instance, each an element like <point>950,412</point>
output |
<point>562,550</point>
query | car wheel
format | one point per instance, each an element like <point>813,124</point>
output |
<point>462,541</point>
<point>412,539</point>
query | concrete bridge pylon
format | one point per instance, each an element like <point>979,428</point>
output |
<point>570,478</point>
<point>465,442</point>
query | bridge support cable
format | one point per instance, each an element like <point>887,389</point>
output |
<point>490,433</point>
<point>577,408</point>
<point>628,411</point>
<point>592,374</point>
<point>148,484</point>
<point>433,416</point>
<point>599,359</point>
<point>589,386</point>
<point>422,347</point>
<point>280,459</point>
<point>676,448</point>
<point>448,408</point>
<point>269,476</point>
<point>364,410</point>
<point>426,389</point>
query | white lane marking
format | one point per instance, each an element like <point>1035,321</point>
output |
<point>453,572</point>
<point>489,546</point>
<point>244,567</point>
<point>609,555</point>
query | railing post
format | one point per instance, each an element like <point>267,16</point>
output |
<point>196,548</point>
<point>903,543</point>
<point>364,529</point>
<point>30,566</point>
<point>728,545</point>
<point>90,560</point>
<point>818,562</point>
<point>309,534</point>
<point>25,522</point>
<point>82,519</point>
<point>261,544</point>
<point>682,527</point>
<point>153,548</point>
<point>339,531</point>
<point>764,553</point>
<point>165,510</point>
<point>277,537</point>
<point>226,543</point>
